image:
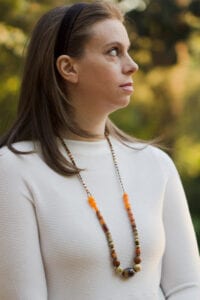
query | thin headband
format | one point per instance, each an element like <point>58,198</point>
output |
<point>66,28</point>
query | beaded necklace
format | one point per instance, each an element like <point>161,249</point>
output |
<point>136,267</point>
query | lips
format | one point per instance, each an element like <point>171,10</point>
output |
<point>127,84</point>
<point>127,87</point>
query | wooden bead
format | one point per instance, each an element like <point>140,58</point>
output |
<point>98,214</point>
<point>113,254</point>
<point>111,246</point>
<point>137,243</point>
<point>116,263</point>
<point>137,251</point>
<point>137,268</point>
<point>109,237</point>
<point>119,270</point>
<point>137,259</point>
<point>105,227</point>
<point>110,242</point>
<point>128,272</point>
<point>101,221</point>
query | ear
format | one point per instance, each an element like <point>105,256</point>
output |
<point>67,68</point>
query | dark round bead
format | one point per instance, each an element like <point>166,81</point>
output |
<point>128,272</point>
<point>116,263</point>
<point>137,243</point>
<point>105,227</point>
<point>111,245</point>
<point>137,259</point>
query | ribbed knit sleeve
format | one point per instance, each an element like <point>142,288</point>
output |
<point>181,264</point>
<point>22,275</point>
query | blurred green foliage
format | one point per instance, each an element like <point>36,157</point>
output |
<point>165,39</point>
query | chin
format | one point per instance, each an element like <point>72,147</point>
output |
<point>121,103</point>
<point>124,102</point>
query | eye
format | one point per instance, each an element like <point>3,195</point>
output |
<point>114,51</point>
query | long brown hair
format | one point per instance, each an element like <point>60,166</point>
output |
<point>44,110</point>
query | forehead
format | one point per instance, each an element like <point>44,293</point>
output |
<point>106,32</point>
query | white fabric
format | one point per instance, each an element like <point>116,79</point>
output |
<point>52,246</point>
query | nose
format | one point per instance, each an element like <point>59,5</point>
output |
<point>130,66</point>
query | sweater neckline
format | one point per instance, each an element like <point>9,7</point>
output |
<point>89,147</point>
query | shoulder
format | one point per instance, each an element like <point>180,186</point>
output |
<point>17,170</point>
<point>158,154</point>
<point>9,158</point>
<point>149,156</point>
<point>159,160</point>
<point>20,146</point>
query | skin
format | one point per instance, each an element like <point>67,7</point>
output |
<point>94,81</point>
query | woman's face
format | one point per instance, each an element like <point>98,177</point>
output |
<point>105,71</point>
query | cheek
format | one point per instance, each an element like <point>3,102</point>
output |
<point>108,71</point>
<point>101,74</point>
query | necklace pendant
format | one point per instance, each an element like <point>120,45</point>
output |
<point>128,272</point>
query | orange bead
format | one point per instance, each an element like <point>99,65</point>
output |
<point>92,203</point>
<point>125,196</point>
<point>113,254</point>
<point>127,205</point>
<point>126,201</point>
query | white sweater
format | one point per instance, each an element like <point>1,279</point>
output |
<point>52,246</point>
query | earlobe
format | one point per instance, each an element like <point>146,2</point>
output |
<point>67,68</point>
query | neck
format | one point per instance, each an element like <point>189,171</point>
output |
<point>94,127</point>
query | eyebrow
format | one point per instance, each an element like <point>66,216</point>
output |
<point>117,43</point>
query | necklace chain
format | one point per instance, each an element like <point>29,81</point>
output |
<point>115,162</point>
<point>127,272</point>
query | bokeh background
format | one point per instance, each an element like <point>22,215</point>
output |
<point>165,39</point>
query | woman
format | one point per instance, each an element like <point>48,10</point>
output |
<point>62,151</point>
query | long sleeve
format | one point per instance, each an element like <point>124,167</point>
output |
<point>22,275</point>
<point>51,241</point>
<point>181,263</point>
